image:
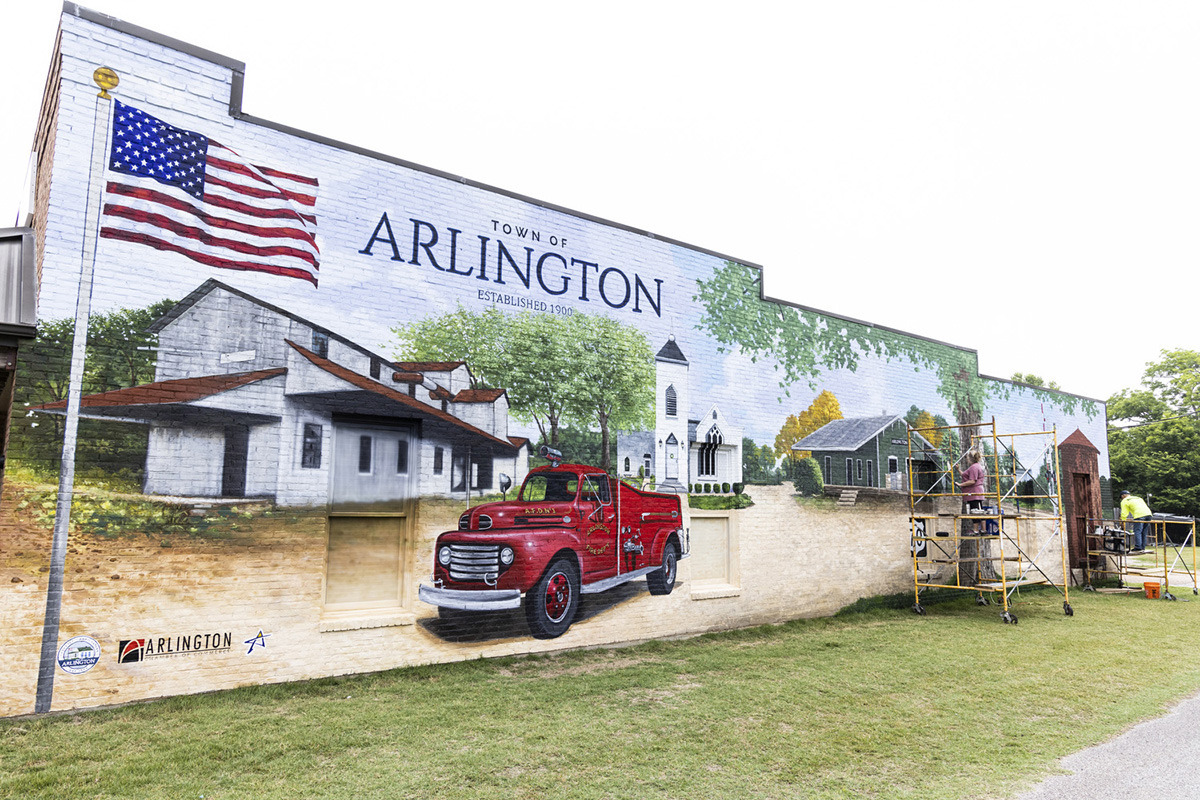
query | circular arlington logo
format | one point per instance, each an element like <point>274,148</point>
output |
<point>79,654</point>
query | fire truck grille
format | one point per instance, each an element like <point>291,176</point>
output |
<point>474,562</point>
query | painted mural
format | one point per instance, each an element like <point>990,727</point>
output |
<point>325,391</point>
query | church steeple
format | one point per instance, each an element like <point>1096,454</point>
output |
<point>671,352</point>
<point>671,418</point>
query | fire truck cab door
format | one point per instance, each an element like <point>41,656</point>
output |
<point>599,528</point>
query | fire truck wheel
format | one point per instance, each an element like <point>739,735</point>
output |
<point>662,581</point>
<point>551,604</point>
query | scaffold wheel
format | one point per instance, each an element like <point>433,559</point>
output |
<point>1168,596</point>
<point>918,609</point>
<point>980,600</point>
<point>1009,618</point>
<point>1070,612</point>
<point>1089,588</point>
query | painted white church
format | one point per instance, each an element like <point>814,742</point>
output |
<point>683,449</point>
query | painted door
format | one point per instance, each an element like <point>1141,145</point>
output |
<point>372,464</point>
<point>1077,523</point>
<point>235,461</point>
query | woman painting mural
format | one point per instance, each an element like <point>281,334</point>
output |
<point>973,484</point>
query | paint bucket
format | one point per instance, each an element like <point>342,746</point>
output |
<point>1151,589</point>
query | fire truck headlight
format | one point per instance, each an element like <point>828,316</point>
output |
<point>444,556</point>
<point>506,556</point>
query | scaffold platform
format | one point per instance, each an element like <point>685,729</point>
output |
<point>1017,539</point>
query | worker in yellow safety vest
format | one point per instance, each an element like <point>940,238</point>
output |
<point>1134,508</point>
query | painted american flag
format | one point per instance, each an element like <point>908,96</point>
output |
<point>182,192</point>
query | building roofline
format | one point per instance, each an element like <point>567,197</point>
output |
<point>76,10</point>
<point>1041,388</point>
<point>178,390</point>
<point>366,384</point>
<point>194,296</point>
<point>891,420</point>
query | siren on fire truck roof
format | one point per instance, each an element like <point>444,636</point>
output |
<point>550,454</point>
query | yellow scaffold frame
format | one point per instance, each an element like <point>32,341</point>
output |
<point>978,551</point>
<point>1109,556</point>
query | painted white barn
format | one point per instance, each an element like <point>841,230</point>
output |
<point>250,400</point>
<point>683,449</point>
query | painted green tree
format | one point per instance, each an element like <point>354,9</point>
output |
<point>803,343</point>
<point>616,374</point>
<point>558,371</point>
<point>758,463</point>
<point>461,335</point>
<point>120,353</point>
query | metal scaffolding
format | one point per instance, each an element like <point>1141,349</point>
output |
<point>993,552</point>
<point>1170,555</point>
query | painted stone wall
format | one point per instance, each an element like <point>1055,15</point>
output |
<point>316,379</point>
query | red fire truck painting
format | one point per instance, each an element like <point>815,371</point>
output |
<point>571,530</point>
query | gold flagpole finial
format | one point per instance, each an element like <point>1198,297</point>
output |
<point>106,79</point>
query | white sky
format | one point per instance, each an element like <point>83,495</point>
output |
<point>1020,178</point>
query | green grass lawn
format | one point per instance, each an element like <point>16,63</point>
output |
<point>881,704</point>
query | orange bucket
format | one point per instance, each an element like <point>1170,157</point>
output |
<point>1151,589</point>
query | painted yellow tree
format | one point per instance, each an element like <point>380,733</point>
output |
<point>928,424</point>
<point>823,410</point>
<point>788,435</point>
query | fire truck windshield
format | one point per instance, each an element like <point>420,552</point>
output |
<point>549,486</point>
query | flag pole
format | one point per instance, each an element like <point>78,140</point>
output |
<point>106,79</point>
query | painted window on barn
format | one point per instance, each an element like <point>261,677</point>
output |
<point>365,451</point>
<point>479,468</point>
<point>320,344</point>
<point>310,449</point>
<point>402,456</point>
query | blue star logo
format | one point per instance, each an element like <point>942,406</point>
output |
<point>257,641</point>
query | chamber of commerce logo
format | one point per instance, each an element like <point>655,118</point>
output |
<point>131,650</point>
<point>134,650</point>
<point>78,654</point>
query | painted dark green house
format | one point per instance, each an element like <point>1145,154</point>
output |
<point>866,451</point>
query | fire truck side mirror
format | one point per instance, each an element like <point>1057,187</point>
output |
<point>505,485</point>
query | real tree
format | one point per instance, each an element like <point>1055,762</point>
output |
<point>1154,434</point>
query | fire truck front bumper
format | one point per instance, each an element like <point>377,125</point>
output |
<point>470,599</point>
